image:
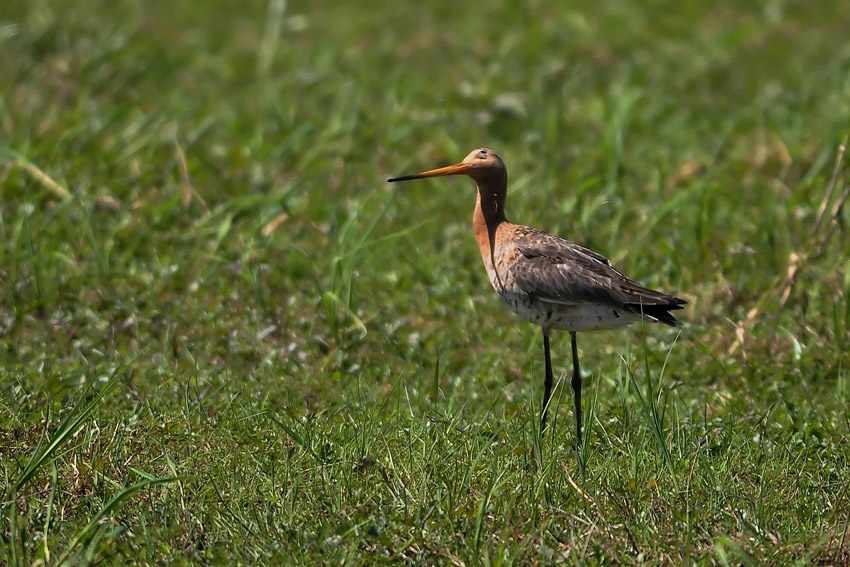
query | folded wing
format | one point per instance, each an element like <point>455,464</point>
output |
<point>555,270</point>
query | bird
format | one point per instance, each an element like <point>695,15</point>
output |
<point>547,280</point>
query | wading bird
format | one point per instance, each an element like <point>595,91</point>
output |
<point>547,280</point>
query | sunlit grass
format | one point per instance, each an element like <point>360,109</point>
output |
<point>225,339</point>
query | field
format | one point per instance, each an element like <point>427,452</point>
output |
<point>226,340</point>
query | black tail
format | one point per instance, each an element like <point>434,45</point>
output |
<point>660,313</point>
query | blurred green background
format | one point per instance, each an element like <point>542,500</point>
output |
<point>226,340</point>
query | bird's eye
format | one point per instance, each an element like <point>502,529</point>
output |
<point>482,154</point>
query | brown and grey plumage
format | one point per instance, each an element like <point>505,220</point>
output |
<point>547,280</point>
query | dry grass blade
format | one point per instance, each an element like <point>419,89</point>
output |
<point>39,175</point>
<point>189,191</point>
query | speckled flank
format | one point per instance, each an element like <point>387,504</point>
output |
<point>575,317</point>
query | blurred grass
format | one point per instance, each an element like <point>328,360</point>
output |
<point>193,201</point>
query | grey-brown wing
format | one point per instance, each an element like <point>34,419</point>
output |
<point>554,269</point>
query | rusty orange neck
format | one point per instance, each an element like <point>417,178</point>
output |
<point>489,214</point>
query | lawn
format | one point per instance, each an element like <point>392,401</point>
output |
<point>226,340</point>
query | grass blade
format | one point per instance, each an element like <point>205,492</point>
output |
<point>85,535</point>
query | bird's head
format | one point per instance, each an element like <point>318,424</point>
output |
<point>481,165</point>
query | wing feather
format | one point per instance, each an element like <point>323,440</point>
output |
<point>557,270</point>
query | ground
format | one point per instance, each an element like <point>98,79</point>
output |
<point>226,340</point>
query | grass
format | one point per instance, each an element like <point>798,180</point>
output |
<point>225,340</point>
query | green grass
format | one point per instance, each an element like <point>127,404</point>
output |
<point>226,340</point>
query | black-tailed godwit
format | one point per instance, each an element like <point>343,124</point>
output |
<point>547,280</point>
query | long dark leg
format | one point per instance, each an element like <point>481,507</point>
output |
<point>547,384</point>
<point>576,384</point>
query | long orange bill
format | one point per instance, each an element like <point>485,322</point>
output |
<point>456,169</point>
